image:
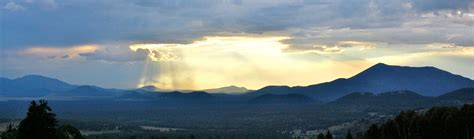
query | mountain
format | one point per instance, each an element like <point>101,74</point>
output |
<point>387,102</point>
<point>274,90</point>
<point>32,86</point>
<point>87,90</point>
<point>191,95</point>
<point>465,95</point>
<point>228,89</point>
<point>136,95</point>
<point>393,98</point>
<point>428,81</point>
<point>149,88</point>
<point>281,99</point>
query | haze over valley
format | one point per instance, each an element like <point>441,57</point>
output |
<point>236,69</point>
<point>378,92</point>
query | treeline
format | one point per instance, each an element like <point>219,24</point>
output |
<point>436,123</point>
<point>184,136</point>
<point>40,123</point>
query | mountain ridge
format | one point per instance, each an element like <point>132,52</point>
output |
<point>428,81</point>
<point>232,89</point>
<point>32,85</point>
<point>386,99</point>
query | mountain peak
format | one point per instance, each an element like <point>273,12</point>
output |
<point>33,85</point>
<point>190,95</point>
<point>379,78</point>
<point>228,89</point>
<point>383,66</point>
<point>426,80</point>
<point>40,80</point>
<point>35,77</point>
<point>149,88</point>
<point>380,65</point>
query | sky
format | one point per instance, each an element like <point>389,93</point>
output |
<point>191,44</point>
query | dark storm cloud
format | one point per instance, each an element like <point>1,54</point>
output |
<point>27,23</point>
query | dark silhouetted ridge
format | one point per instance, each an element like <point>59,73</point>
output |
<point>87,90</point>
<point>464,95</point>
<point>191,95</point>
<point>32,86</point>
<point>392,98</point>
<point>427,81</point>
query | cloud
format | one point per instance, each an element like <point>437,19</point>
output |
<point>12,6</point>
<point>331,47</point>
<point>116,54</point>
<point>436,5</point>
<point>324,48</point>
<point>144,21</point>
<point>65,56</point>
<point>213,61</point>
<point>54,52</point>
<point>319,35</point>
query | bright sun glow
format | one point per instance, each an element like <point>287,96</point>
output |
<point>252,62</point>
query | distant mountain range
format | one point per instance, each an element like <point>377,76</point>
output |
<point>226,90</point>
<point>402,97</point>
<point>87,90</point>
<point>190,95</point>
<point>463,95</point>
<point>229,90</point>
<point>380,78</point>
<point>32,86</point>
<point>40,86</point>
<point>428,81</point>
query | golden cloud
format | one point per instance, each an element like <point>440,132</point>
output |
<point>67,52</point>
<point>252,62</point>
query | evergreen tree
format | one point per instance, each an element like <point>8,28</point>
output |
<point>328,135</point>
<point>437,122</point>
<point>373,132</point>
<point>349,135</point>
<point>40,122</point>
<point>10,133</point>
<point>390,130</point>
<point>320,136</point>
<point>69,132</point>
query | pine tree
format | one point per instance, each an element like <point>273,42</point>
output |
<point>40,122</point>
<point>10,133</point>
<point>328,135</point>
<point>320,136</point>
<point>69,132</point>
<point>373,132</point>
<point>349,135</point>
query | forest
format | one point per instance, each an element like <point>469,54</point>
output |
<point>435,123</point>
<point>454,122</point>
